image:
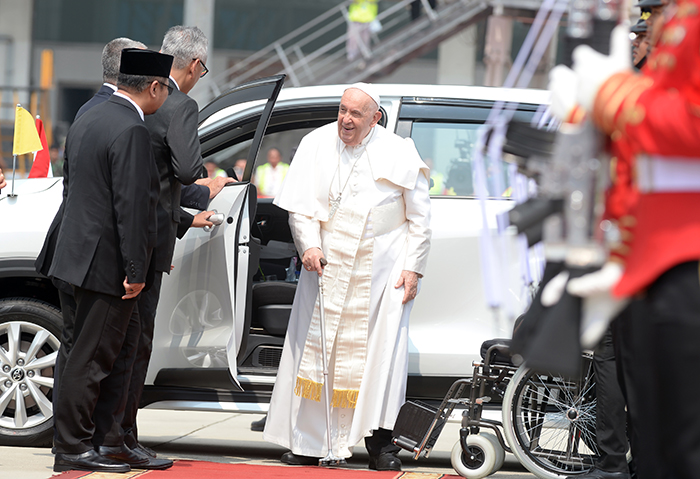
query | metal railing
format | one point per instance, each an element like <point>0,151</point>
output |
<point>311,52</point>
<point>316,53</point>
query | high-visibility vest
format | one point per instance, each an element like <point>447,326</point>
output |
<point>438,183</point>
<point>363,11</point>
<point>263,180</point>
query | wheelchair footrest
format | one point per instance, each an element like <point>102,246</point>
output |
<point>414,426</point>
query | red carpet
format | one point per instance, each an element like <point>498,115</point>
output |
<point>214,470</point>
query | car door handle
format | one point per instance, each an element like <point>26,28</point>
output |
<point>217,219</point>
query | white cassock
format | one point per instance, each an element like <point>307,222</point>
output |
<point>381,227</point>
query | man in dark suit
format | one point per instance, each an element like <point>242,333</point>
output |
<point>103,249</point>
<point>173,130</point>
<point>196,196</point>
<point>111,55</point>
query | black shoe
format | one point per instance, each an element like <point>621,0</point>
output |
<point>123,454</point>
<point>144,450</point>
<point>135,458</point>
<point>296,460</point>
<point>258,425</point>
<point>88,461</point>
<point>157,464</point>
<point>600,474</point>
<point>385,462</point>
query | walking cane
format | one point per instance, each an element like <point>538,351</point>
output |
<point>330,459</point>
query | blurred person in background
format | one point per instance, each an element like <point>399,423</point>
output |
<point>269,177</point>
<point>213,170</point>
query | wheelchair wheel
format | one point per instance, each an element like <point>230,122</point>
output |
<point>549,421</point>
<point>479,462</point>
<point>500,452</point>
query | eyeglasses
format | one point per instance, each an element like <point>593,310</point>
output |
<point>169,87</point>
<point>205,70</point>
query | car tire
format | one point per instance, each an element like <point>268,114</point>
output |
<point>30,332</point>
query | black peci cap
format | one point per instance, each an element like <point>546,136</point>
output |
<point>650,3</point>
<point>136,61</point>
<point>639,27</point>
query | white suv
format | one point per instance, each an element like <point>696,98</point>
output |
<point>224,308</point>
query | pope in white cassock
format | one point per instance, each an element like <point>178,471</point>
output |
<point>357,195</point>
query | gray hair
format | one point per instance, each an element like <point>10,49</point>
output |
<point>137,83</point>
<point>111,57</point>
<point>185,44</point>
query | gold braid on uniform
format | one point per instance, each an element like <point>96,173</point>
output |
<point>621,88</point>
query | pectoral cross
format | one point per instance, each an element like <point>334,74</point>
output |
<point>335,204</point>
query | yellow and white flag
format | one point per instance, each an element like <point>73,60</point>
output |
<point>26,137</point>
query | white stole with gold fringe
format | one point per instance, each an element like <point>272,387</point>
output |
<point>346,282</point>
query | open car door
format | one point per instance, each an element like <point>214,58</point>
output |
<point>201,319</point>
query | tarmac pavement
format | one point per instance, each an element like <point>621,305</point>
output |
<point>227,438</point>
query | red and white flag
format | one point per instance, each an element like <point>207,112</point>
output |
<point>41,168</point>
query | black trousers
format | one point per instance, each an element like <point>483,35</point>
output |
<point>611,417</point>
<point>663,334</point>
<point>100,331</point>
<point>627,364</point>
<point>380,443</point>
<point>146,305</point>
<point>114,389</point>
<point>67,301</point>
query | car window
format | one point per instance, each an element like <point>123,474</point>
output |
<point>447,149</point>
<point>229,141</point>
<point>234,156</point>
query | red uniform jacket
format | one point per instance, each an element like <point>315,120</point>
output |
<point>658,113</point>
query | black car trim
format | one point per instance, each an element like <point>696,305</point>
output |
<point>455,110</point>
<point>267,88</point>
<point>155,394</point>
<point>219,379</point>
<point>250,200</point>
<point>210,378</point>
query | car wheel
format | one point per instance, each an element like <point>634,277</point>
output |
<point>29,342</point>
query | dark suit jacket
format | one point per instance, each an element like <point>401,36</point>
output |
<point>178,156</point>
<point>108,228</point>
<point>102,95</point>
<point>195,196</point>
<point>43,261</point>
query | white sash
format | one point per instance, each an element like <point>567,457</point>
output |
<point>347,283</point>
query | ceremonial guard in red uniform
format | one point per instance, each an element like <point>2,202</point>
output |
<point>655,116</point>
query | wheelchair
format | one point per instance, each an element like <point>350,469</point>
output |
<point>548,421</point>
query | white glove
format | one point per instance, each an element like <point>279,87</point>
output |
<point>551,294</point>
<point>599,307</point>
<point>598,282</point>
<point>563,86</point>
<point>593,68</point>
<point>597,312</point>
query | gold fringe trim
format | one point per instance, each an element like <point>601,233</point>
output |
<point>345,398</point>
<point>342,398</point>
<point>308,389</point>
